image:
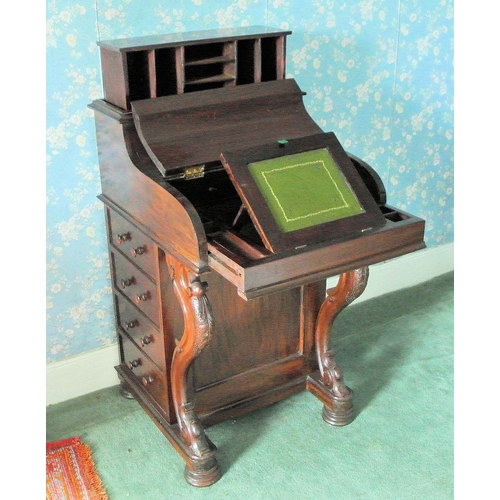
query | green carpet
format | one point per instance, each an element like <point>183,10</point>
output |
<point>396,352</point>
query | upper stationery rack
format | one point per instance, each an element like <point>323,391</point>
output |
<point>161,65</point>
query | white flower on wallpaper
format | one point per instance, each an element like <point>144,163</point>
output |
<point>379,73</point>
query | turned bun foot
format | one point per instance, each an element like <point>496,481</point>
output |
<point>340,414</point>
<point>125,392</point>
<point>201,478</point>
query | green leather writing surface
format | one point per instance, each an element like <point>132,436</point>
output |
<point>305,189</point>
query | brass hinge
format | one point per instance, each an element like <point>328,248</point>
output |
<point>194,172</point>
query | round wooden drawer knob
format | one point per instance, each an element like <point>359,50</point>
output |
<point>134,363</point>
<point>146,340</point>
<point>141,297</point>
<point>122,238</point>
<point>138,251</point>
<point>127,282</point>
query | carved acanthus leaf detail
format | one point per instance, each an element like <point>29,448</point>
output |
<point>198,322</point>
<point>203,314</point>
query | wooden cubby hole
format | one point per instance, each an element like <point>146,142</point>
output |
<point>168,70</point>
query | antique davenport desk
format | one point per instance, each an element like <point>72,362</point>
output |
<point>227,207</point>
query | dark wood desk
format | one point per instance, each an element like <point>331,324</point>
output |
<point>212,322</point>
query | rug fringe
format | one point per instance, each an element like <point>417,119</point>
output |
<point>90,471</point>
<point>86,462</point>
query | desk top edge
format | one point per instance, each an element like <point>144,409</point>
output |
<point>188,37</point>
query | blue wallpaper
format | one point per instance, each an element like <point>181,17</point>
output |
<point>379,73</point>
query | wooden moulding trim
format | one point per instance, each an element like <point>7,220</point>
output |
<point>190,38</point>
<point>111,110</point>
<point>243,406</point>
<point>244,387</point>
<point>288,364</point>
<point>316,387</point>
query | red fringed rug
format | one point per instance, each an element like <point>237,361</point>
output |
<point>71,473</point>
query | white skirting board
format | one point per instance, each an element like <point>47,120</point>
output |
<point>94,370</point>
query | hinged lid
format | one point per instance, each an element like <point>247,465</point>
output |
<point>302,191</point>
<point>191,129</point>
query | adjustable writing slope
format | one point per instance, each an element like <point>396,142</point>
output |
<point>227,208</point>
<point>301,192</point>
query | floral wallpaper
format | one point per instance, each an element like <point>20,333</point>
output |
<point>379,73</point>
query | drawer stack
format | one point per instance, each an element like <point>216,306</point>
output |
<point>135,271</point>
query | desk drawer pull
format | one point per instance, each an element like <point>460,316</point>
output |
<point>147,380</point>
<point>138,251</point>
<point>127,282</point>
<point>122,238</point>
<point>134,363</point>
<point>130,324</point>
<point>146,340</point>
<point>142,297</point>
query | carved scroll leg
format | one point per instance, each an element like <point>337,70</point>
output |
<point>202,468</point>
<point>330,387</point>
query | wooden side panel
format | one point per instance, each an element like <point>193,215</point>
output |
<point>247,334</point>
<point>260,351</point>
<point>115,77</point>
<point>162,212</point>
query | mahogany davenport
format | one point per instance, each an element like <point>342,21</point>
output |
<point>215,316</point>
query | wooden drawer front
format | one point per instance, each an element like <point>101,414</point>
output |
<point>145,371</point>
<point>133,243</point>
<point>136,286</point>
<point>141,331</point>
